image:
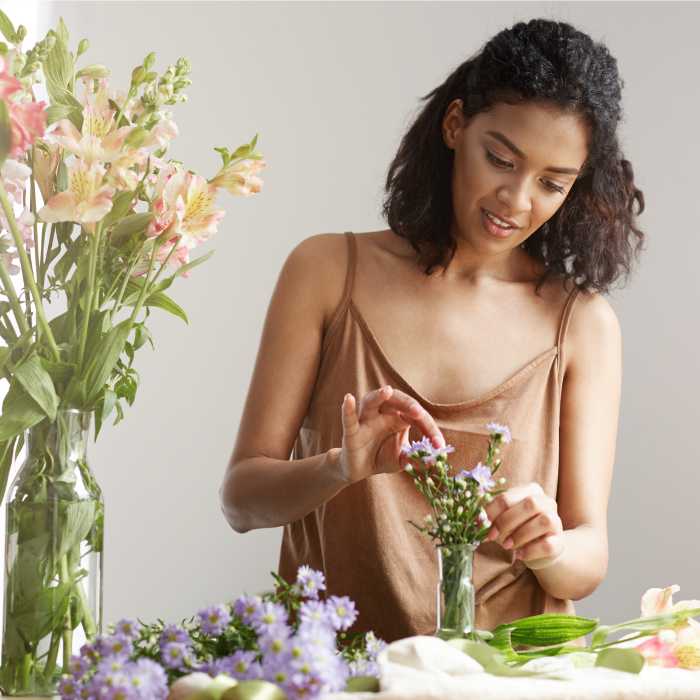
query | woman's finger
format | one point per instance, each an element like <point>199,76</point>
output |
<point>350,420</point>
<point>419,418</point>
<point>371,401</point>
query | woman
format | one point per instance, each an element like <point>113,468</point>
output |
<point>510,212</point>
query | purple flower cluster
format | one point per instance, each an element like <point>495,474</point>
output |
<point>481,474</point>
<point>300,657</point>
<point>427,452</point>
<point>103,670</point>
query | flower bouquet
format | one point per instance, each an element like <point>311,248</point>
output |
<point>458,522</point>
<point>282,644</point>
<point>92,213</point>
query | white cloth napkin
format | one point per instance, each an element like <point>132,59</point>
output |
<point>428,668</point>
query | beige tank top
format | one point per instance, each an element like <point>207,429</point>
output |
<point>361,538</point>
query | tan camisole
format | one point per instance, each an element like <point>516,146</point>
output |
<point>361,539</point>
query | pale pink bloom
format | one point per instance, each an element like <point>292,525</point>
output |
<point>658,653</point>
<point>240,178</point>
<point>126,171</point>
<point>87,200</point>
<point>161,134</point>
<point>8,83</point>
<point>185,208</point>
<point>686,646</point>
<point>92,145</point>
<point>28,123</point>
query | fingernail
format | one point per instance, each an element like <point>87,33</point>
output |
<point>508,543</point>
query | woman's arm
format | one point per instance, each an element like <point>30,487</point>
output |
<point>590,406</point>
<point>261,486</point>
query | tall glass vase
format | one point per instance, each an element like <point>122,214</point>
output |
<point>455,592</point>
<point>53,557</point>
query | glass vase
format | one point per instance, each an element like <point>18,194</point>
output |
<point>455,592</point>
<point>53,557</point>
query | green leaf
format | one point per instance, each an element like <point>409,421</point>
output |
<point>192,264</point>
<point>105,357</point>
<point>36,616</point>
<point>120,207</point>
<point>362,684</point>
<point>130,227</point>
<point>162,301</point>
<point>58,70</point>
<point>627,660</point>
<point>19,412</point>
<point>37,382</point>
<point>7,28</point>
<point>77,519</point>
<point>104,409</point>
<point>5,132</point>
<point>60,111</point>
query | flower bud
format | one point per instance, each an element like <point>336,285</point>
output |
<point>502,481</point>
<point>83,46</point>
<point>460,510</point>
<point>95,71</point>
<point>21,33</point>
<point>409,468</point>
<point>446,528</point>
<point>149,61</point>
<point>137,75</point>
<point>430,482</point>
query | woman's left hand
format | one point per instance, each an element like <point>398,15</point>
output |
<point>525,519</point>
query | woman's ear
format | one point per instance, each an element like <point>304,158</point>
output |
<point>452,124</point>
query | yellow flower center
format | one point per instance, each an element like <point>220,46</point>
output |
<point>689,655</point>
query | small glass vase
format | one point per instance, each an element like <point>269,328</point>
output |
<point>53,557</point>
<point>455,592</point>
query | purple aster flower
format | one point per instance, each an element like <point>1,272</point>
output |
<point>310,582</point>
<point>174,633</point>
<point>69,688</point>
<point>341,612</point>
<point>128,628</point>
<point>246,607</point>
<point>78,666</point>
<point>313,611</point>
<point>424,445</point>
<point>437,452</point>
<point>268,615</point>
<point>482,475</point>
<point>240,664</point>
<point>116,645</point>
<point>174,654</point>
<point>274,640</point>
<point>374,645</point>
<point>213,620</point>
<point>148,679</point>
<point>502,430</point>
<point>315,635</point>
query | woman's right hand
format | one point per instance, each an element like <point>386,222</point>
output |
<point>374,435</point>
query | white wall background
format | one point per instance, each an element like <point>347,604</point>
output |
<point>330,87</point>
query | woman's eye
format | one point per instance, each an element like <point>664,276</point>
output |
<point>496,160</point>
<point>504,164</point>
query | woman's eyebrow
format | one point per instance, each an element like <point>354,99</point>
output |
<point>509,144</point>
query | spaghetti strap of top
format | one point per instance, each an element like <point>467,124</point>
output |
<point>564,325</point>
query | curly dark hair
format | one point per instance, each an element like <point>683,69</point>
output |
<point>590,240</point>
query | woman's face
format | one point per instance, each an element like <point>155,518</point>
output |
<point>508,161</point>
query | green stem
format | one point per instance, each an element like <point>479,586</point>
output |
<point>26,671</point>
<point>94,247</point>
<point>142,295</point>
<point>67,626</point>
<point>52,655</point>
<point>9,288</point>
<point>27,270</point>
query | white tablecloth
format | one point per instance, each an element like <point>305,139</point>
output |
<point>426,668</point>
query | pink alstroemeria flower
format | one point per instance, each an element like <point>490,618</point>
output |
<point>240,178</point>
<point>87,200</point>
<point>184,207</point>
<point>27,118</point>
<point>680,641</point>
